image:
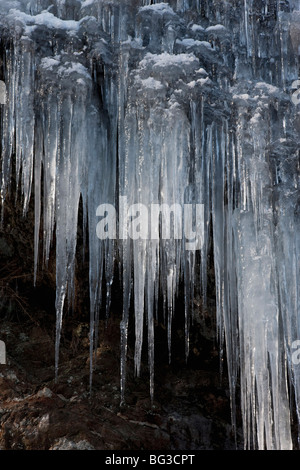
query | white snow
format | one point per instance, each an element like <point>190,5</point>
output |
<point>87,3</point>
<point>242,96</point>
<point>201,71</point>
<point>200,81</point>
<point>74,67</point>
<point>45,18</point>
<point>189,43</point>
<point>270,89</point>
<point>216,28</point>
<point>167,60</point>
<point>197,27</point>
<point>159,8</point>
<point>152,84</point>
<point>50,62</point>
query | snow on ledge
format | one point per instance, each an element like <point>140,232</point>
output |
<point>45,18</point>
<point>197,27</point>
<point>215,28</point>
<point>166,60</point>
<point>189,42</point>
<point>160,8</point>
<point>151,83</point>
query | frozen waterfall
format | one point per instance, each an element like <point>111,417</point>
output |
<point>182,103</point>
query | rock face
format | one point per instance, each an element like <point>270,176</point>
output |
<point>191,409</point>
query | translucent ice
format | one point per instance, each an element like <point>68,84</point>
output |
<point>155,103</point>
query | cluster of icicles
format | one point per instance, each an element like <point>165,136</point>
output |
<point>187,102</point>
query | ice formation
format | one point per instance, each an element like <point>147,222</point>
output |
<point>161,103</point>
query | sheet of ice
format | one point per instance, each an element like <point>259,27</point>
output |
<point>110,111</point>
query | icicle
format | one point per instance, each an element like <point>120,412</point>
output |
<point>129,105</point>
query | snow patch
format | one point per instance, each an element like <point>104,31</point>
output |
<point>216,28</point>
<point>160,8</point>
<point>45,18</point>
<point>74,67</point>
<point>189,42</point>
<point>49,62</point>
<point>152,83</point>
<point>167,60</point>
<point>87,3</point>
<point>197,27</point>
